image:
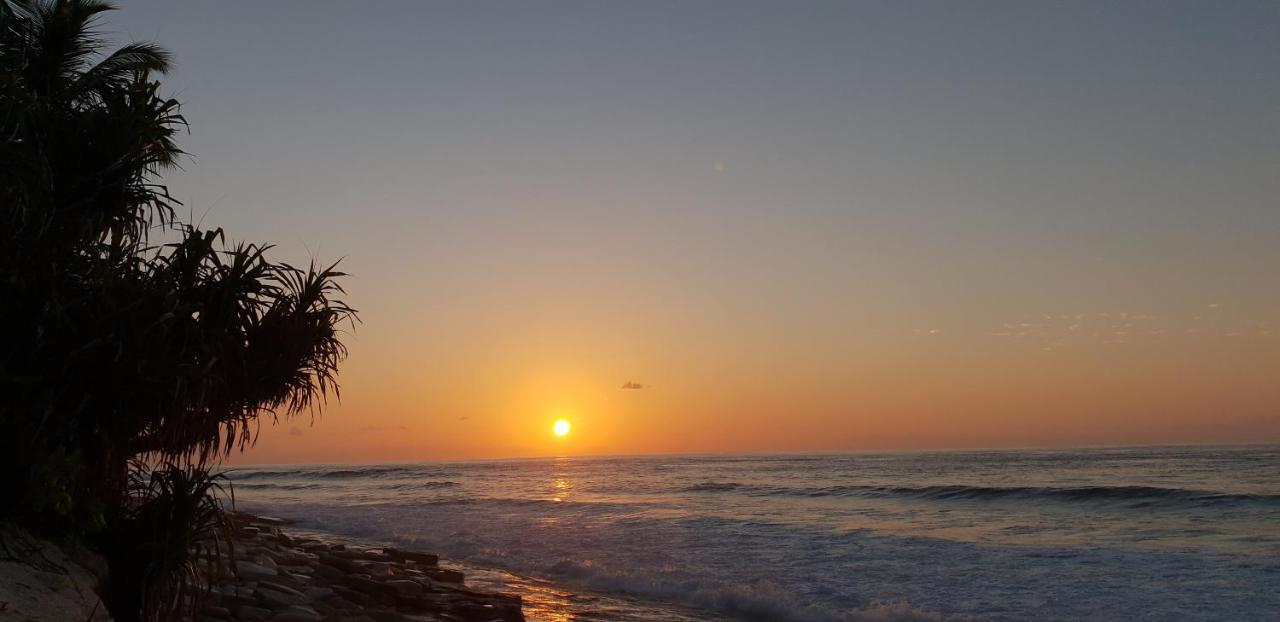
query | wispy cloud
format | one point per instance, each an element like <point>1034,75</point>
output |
<point>1128,327</point>
<point>631,385</point>
<point>295,431</point>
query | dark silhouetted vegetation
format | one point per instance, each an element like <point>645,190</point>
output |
<point>127,336</point>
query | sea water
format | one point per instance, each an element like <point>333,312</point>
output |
<point>1148,533</point>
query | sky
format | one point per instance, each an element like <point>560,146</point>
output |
<point>754,227</point>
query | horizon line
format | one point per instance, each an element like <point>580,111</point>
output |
<point>816,452</point>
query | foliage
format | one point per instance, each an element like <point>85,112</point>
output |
<point>127,335</point>
<point>155,547</point>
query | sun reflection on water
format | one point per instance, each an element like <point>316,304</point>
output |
<point>561,484</point>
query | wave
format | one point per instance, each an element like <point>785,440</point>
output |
<point>317,473</point>
<point>712,487</point>
<point>756,600</point>
<point>428,485</point>
<point>1136,496</point>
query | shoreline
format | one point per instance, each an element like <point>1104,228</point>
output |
<point>278,577</point>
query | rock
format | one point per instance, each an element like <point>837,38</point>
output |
<point>215,612</point>
<point>250,570</point>
<point>339,603</point>
<point>446,576</point>
<point>296,614</point>
<point>251,614</point>
<point>293,558</point>
<point>341,563</point>
<point>370,587</point>
<point>405,587</point>
<point>279,587</point>
<point>329,572</point>
<point>286,579</point>
<point>426,559</point>
<point>359,598</point>
<point>233,599</point>
<point>390,616</point>
<point>477,612</point>
<point>297,580</point>
<point>275,598</point>
<point>40,582</point>
<point>366,555</point>
<point>289,616</point>
<point>378,569</point>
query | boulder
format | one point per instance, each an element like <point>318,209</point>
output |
<point>289,616</point>
<point>370,587</point>
<point>405,587</point>
<point>426,559</point>
<point>443,575</point>
<point>250,570</point>
<point>359,598</point>
<point>276,599</point>
<point>215,612</point>
<point>317,593</point>
<point>245,613</point>
<point>297,614</point>
<point>378,569</point>
<point>293,558</point>
<point>329,572</point>
<point>341,563</point>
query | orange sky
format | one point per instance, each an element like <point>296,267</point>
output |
<point>1163,381</point>
<point>854,226</point>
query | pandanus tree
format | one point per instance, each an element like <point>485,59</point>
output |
<point>127,337</point>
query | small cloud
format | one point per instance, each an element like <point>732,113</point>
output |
<point>719,167</point>
<point>464,417</point>
<point>631,385</point>
<point>295,431</point>
<point>1215,305</point>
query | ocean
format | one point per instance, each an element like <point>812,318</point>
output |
<point>1142,533</point>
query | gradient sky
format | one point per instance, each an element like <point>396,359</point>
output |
<point>801,226</point>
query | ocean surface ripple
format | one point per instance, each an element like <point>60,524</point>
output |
<point>1165,533</point>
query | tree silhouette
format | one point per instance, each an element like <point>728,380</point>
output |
<point>127,336</point>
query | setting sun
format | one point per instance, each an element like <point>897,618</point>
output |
<point>561,427</point>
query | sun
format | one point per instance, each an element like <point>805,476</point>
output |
<point>561,427</point>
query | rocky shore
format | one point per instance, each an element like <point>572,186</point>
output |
<point>281,578</point>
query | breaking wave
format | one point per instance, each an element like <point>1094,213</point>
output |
<point>428,485</point>
<point>1136,496</point>
<point>320,473</point>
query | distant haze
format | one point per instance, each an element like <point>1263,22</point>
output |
<point>791,226</point>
